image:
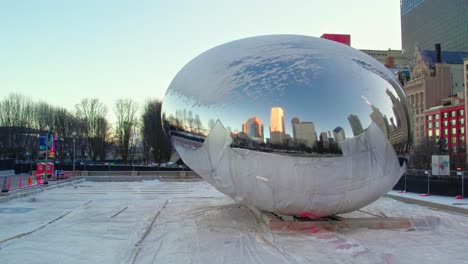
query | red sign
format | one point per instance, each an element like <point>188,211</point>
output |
<point>40,168</point>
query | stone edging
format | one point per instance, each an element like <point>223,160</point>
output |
<point>443,207</point>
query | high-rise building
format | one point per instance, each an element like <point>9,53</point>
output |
<point>339,134</point>
<point>355,124</point>
<point>305,133</point>
<point>437,77</point>
<point>277,128</point>
<point>427,22</point>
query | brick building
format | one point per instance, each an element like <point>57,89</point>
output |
<point>448,122</point>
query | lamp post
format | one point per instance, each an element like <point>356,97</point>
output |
<point>74,141</point>
<point>46,180</point>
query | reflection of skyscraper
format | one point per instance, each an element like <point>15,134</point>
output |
<point>253,128</point>
<point>294,121</point>
<point>277,129</point>
<point>324,140</point>
<point>339,134</point>
<point>355,124</point>
<point>377,117</point>
<point>400,133</point>
<point>305,133</point>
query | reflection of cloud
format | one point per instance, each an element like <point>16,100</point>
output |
<point>383,72</point>
<point>262,68</point>
<point>366,100</point>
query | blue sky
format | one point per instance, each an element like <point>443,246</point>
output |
<point>63,51</point>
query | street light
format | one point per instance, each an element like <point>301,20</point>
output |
<point>46,180</point>
<point>74,141</point>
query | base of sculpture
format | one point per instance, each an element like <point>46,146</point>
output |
<point>334,223</point>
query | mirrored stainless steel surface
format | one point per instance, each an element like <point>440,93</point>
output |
<point>290,124</point>
<point>287,94</point>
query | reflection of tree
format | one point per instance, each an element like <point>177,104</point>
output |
<point>190,120</point>
<point>211,123</point>
<point>186,121</point>
<point>332,148</point>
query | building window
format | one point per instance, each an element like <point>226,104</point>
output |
<point>429,133</point>
<point>454,140</point>
<point>454,149</point>
<point>429,125</point>
<point>462,139</point>
<point>436,124</point>
<point>462,121</point>
<point>462,130</point>
<point>429,117</point>
<point>445,115</point>
<point>445,131</point>
<point>436,116</point>
<point>445,123</point>
<point>453,122</point>
<point>460,112</point>
<point>452,113</point>
<point>454,131</point>
<point>437,132</point>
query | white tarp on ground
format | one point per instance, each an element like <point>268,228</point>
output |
<point>201,225</point>
<point>315,186</point>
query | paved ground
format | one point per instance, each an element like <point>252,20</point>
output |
<point>190,222</point>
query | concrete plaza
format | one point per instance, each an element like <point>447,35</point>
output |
<point>190,222</point>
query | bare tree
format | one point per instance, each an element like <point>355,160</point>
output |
<point>152,132</point>
<point>16,120</point>
<point>95,126</point>
<point>127,121</point>
<point>422,153</point>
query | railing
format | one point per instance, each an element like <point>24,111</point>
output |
<point>423,182</point>
<point>162,174</point>
<point>415,172</point>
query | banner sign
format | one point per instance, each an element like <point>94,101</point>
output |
<point>42,142</point>
<point>440,165</point>
<point>52,145</point>
<point>50,142</point>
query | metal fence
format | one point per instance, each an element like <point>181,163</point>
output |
<point>162,174</point>
<point>423,182</point>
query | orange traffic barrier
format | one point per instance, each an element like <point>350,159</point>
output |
<point>29,181</point>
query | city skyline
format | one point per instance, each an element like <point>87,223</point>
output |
<point>62,52</point>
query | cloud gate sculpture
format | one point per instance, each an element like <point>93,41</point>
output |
<point>290,124</point>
